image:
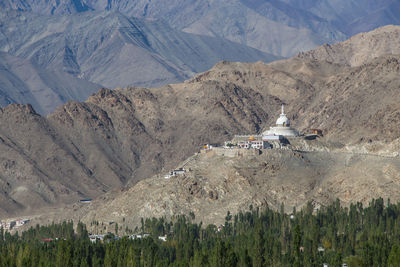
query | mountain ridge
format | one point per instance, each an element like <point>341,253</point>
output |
<point>360,48</point>
<point>281,27</point>
<point>111,55</point>
<point>119,137</point>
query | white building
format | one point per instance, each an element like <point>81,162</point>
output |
<point>210,146</point>
<point>139,236</point>
<point>19,223</point>
<point>179,171</point>
<point>174,173</point>
<point>244,144</point>
<point>8,225</point>
<point>95,238</point>
<point>163,238</point>
<point>282,128</point>
<point>257,144</point>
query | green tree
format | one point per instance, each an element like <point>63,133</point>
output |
<point>297,245</point>
<point>394,256</point>
<point>259,247</point>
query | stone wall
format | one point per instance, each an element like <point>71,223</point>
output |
<point>235,152</point>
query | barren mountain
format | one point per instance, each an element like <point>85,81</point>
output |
<point>66,56</point>
<point>359,49</point>
<point>216,184</point>
<point>352,16</point>
<point>23,82</point>
<point>281,27</point>
<point>271,26</point>
<point>70,47</point>
<point>122,136</point>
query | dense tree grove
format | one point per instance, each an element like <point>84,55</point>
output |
<point>335,235</point>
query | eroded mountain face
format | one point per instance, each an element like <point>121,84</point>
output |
<point>122,136</point>
<point>48,60</point>
<point>280,27</point>
<point>55,51</point>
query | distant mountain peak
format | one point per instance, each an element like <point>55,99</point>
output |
<point>104,48</point>
<point>360,48</point>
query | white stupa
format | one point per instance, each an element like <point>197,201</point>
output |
<point>282,127</point>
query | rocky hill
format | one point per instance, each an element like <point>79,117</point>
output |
<point>119,137</point>
<point>87,50</point>
<point>216,184</point>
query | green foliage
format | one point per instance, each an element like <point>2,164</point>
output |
<point>355,235</point>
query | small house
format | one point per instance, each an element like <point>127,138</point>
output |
<point>19,223</point>
<point>95,238</point>
<point>244,144</point>
<point>210,146</point>
<point>139,236</point>
<point>257,144</point>
<point>179,171</point>
<point>9,225</point>
<point>317,131</point>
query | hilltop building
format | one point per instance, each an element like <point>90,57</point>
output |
<point>175,172</point>
<point>277,136</point>
<point>282,128</point>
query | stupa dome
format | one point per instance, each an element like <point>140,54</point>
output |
<point>283,120</point>
<point>282,127</point>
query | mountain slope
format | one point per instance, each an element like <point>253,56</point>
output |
<point>217,184</point>
<point>120,52</point>
<point>267,28</point>
<point>281,27</point>
<point>38,168</point>
<point>119,137</point>
<point>360,48</point>
<point>354,16</point>
<point>23,82</point>
<point>384,16</point>
<point>66,59</point>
